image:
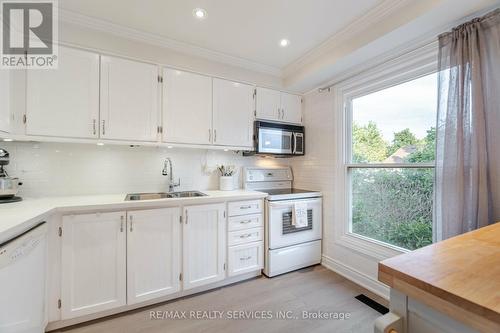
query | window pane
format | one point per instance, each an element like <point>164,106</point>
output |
<point>393,205</point>
<point>397,124</point>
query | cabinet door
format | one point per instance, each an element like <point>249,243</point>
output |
<point>233,113</point>
<point>64,102</point>
<point>93,263</point>
<point>268,104</point>
<point>153,254</point>
<point>245,258</point>
<point>5,112</point>
<point>129,100</point>
<point>291,108</point>
<point>187,107</point>
<point>204,244</point>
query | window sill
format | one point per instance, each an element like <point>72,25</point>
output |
<point>370,247</point>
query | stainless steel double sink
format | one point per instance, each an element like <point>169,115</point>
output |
<point>163,195</point>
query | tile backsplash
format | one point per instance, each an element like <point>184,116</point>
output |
<point>52,169</point>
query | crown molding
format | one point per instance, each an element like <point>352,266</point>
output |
<point>157,40</point>
<point>373,16</point>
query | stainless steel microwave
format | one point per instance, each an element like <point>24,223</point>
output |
<point>279,139</point>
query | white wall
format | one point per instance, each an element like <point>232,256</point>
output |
<point>52,169</point>
<point>317,170</point>
<point>74,35</point>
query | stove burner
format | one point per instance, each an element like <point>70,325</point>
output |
<point>10,199</point>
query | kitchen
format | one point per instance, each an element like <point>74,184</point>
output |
<point>159,169</point>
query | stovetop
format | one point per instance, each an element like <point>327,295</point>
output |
<point>282,191</point>
<point>289,194</point>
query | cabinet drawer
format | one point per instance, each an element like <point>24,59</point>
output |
<point>244,207</point>
<point>245,222</point>
<point>245,236</point>
<point>245,258</point>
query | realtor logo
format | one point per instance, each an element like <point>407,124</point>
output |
<point>29,33</point>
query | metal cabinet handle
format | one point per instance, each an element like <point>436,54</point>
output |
<point>104,127</point>
<point>245,235</point>
<point>282,113</point>
<point>131,223</point>
<point>246,258</point>
<point>246,207</point>
<point>94,126</point>
<point>209,135</point>
<point>245,222</point>
<point>215,135</point>
<point>121,223</point>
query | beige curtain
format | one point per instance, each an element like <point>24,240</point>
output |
<point>468,130</point>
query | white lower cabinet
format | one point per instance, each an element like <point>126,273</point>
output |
<point>153,254</point>
<point>245,258</point>
<point>116,259</point>
<point>93,263</point>
<point>204,245</point>
<point>245,237</point>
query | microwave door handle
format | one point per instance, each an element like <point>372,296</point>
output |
<point>294,143</point>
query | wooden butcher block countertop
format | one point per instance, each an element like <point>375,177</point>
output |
<point>459,276</point>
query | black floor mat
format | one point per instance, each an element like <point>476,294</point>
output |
<point>372,304</point>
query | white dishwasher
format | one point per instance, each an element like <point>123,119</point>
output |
<point>23,262</point>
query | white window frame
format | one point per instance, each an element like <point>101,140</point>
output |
<point>411,66</point>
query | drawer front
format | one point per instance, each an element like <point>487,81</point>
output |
<point>245,222</point>
<point>245,236</point>
<point>244,207</point>
<point>245,258</point>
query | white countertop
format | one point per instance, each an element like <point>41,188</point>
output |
<point>18,217</point>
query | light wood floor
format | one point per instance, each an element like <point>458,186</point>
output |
<point>311,289</point>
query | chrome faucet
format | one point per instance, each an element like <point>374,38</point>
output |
<point>167,171</point>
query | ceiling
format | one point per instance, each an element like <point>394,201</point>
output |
<point>249,30</point>
<point>328,38</point>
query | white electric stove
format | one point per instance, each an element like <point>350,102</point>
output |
<point>287,247</point>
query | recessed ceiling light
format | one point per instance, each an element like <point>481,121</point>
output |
<point>100,144</point>
<point>284,42</point>
<point>170,147</point>
<point>200,13</point>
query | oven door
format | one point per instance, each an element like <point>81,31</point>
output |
<point>275,141</point>
<point>279,226</point>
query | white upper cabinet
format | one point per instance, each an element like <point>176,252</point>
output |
<point>291,108</point>
<point>204,244</point>
<point>187,107</point>
<point>153,254</point>
<point>93,263</point>
<point>5,112</point>
<point>129,100</point>
<point>233,116</point>
<point>278,106</point>
<point>64,102</point>
<point>268,105</point>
